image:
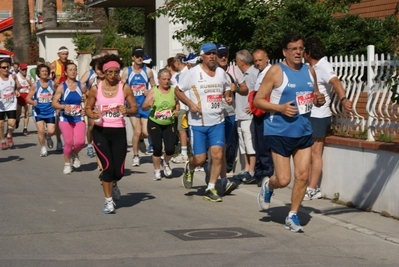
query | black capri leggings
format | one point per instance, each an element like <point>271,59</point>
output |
<point>111,147</point>
<point>157,133</point>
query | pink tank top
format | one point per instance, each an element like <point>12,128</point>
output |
<point>109,107</point>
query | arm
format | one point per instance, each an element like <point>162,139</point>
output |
<point>339,89</point>
<point>56,99</point>
<point>183,98</point>
<point>29,97</point>
<point>150,77</point>
<point>319,98</point>
<point>131,100</point>
<point>84,77</point>
<point>149,100</point>
<point>124,75</point>
<point>90,102</point>
<point>17,85</point>
<point>243,89</point>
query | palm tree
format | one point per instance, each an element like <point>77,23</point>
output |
<point>49,13</point>
<point>21,30</point>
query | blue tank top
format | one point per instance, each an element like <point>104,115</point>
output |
<point>92,75</point>
<point>44,98</point>
<point>74,99</point>
<point>138,82</point>
<point>297,85</point>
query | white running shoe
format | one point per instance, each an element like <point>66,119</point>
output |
<point>116,193</point>
<point>136,161</point>
<point>67,169</point>
<point>43,152</point>
<point>312,194</point>
<point>109,207</point>
<point>180,159</point>
<point>199,169</point>
<point>76,161</point>
<point>157,176</point>
<point>166,169</point>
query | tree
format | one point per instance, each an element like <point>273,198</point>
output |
<point>21,30</point>
<point>49,13</point>
<point>252,23</point>
<point>129,21</point>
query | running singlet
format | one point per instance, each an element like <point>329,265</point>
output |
<point>297,85</point>
<point>92,75</point>
<point>59,72</point>
<point>163,109</point>
<point>73,99</point>
<point>8,98</point>
<point>44,98</point>
<point>24,84</point>
<point>138,82</point>
<point>207,92</point>
<point>111,117</point>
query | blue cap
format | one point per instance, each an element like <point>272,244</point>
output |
<point>191,58</point>
<point>222,49</point>
<point>147,59</point>
<point>208,47</point>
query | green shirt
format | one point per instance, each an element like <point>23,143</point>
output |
<point>163,110</point>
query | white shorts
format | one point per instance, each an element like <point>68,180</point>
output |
<point>246,133</point>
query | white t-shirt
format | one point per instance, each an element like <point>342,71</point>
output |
<point>177,78</point>
<point>8,98</point>
<point>206,91</point>
<point>24,83</point>
<point>324,73</point>
<point>238,77</point>
<point>261,75</point>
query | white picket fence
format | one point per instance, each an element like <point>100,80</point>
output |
<point>367,83</point>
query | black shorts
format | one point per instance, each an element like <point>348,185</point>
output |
<point>320,126</point>
<point>286,146</point>
<point>11,114</point>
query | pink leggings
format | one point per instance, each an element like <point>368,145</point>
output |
<point>73,134</point>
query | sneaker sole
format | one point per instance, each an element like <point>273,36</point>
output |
<point>184,178</point>
<point>109,212</point>
<point>230,189</point>
<point>293,230</point>
<point>212,200</point>
<point>262,204</point>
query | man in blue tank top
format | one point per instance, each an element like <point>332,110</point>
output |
<point>140,79</point>
<point>292,88</point>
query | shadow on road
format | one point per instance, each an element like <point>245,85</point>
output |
<point>131,199</point>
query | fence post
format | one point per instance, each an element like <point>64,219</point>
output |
<point>370,91</point>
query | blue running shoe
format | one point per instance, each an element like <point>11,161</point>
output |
<point>265,194</point>
<point>90,152</point>
<point>293,224</point>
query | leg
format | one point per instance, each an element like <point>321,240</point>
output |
<point>136,134</point>
<point>302,159</point>
<point>79,136</point>
<point>41,132</point>
<point>317,162</point>
<point>26,114</point>
<point>216,166</point>
<point>67,132</point>
<point>283,172</point>
<point>155,133</point>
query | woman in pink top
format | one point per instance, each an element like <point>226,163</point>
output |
<point>106,105</point>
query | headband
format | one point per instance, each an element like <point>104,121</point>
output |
<point>111,64</point>
<point>63,50</point>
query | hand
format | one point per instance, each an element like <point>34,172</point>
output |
<point>288,109</point>
<point>34,103</point>
<point>320,99</point>
<point>194,108</point>
<point>176,112</point>
<point>17,93</point>
<point>67,109</point>
<point>96,114</point>
<point>248,110</point>
<point>123,109</point>
<point>229,100</point>
<point>84,97</point>
<point>347,104</point>
<point>145,92</point>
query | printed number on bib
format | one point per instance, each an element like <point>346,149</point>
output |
<point>111,111</point>
<point>163,115</point>
<point>75,110</point>
<point>8,96</point>
<point>44,98</point>
<point>305,102</point>
<point>138,89</point>
<point>24,89</point>
<point>214,101</point>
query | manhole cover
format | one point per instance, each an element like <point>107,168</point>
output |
<point>213,233</point>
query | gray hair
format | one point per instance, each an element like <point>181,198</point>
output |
<point>245,56</point>
<point>162,71</point>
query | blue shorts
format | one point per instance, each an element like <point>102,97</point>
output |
<point>229,127</point>
<point>320,126</point>
<point>286,146</point>
<point>200,135</point>
<point>142,113</point>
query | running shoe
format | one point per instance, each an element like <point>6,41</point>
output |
<point>264,195</point>
<point>90,152</point>
<point>199,169</point>
<point>4,145</point>
<point>43,152</point>
<point>109,207</point>
<point>248,179</point>
<point>157,176</point>
<point>187,178</point>
<point>16,124</point>
<point>50,143</point>
<point>230,187</point>
<point>10,141</point>
<point>116,193</point>
<point>150,150</point>
<point>166,169</point>
<point>240,175</point>
<point>136,161</point>
<point>180,159</point>
<point>76,161</point>
<point>312,194</point>
<point>293,224</point>
<point>25,131</point>
<point>212,195</point>
<point>67,169</point>
<point>59,145</point>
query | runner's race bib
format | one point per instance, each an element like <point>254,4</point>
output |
<point>110,111</point>
<point>45,98</point>
<point>75,110</point>
<point>305,103</point>
<point>8,96</point>
<point>163,115</point>
<point>214,101</point>
<point>138,89</point>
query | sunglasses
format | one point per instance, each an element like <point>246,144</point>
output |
<point>210,53</point>
<point>5,67</point>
